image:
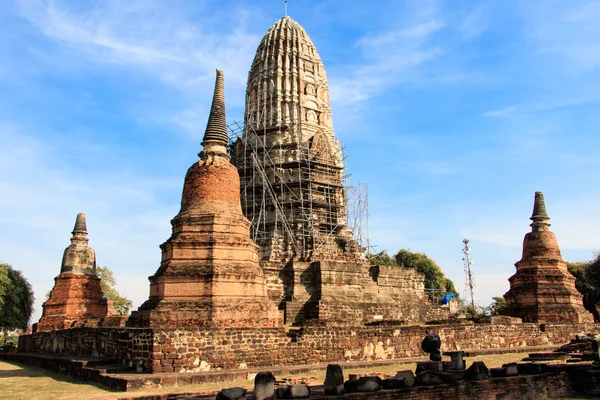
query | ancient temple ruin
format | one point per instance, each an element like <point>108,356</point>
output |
<point>76,298</point>
<point>234,270</point>
<point>543,290</point>
<point>292,191</point>
<point>209,274</point>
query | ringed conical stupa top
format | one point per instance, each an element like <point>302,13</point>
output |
<point>80,230</point>
<point>287,82</point>
<point>216,127</point>
<point>540,216</point>
<point>79,258</point>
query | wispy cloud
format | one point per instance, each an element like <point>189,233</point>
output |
<point>389,59</point>
<point>158,38</point>
<point>501,113</point>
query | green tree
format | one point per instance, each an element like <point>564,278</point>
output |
<point>4,282</point>
<point>382,258</point>
<point>497,307</point>
<point>587,281</point>
<point>17,300</point>
<point>109,288</point>
<point>434,277</point>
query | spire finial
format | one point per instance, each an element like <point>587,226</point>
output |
<point>285,7</point>
<point>80,225</point>
<point>80,230</point>
<point>540,216</point>
<point>216,128</point>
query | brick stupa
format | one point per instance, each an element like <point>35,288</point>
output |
<point>209,275</point>
<point>76,299</point>
<point>543,290</point>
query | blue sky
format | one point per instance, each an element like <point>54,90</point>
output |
<point>454,113</point>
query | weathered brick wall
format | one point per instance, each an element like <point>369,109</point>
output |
<point>209,349</point>
<point>132,346</point>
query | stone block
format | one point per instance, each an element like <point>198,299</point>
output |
<point>236,393</point>
<point>428,378</point>
<point>364,384</point>
<point>511,369</point>
<point>477,372</point>
<point>300,391</point>
<point>436,366</point>
<point>391,383</point>
<point>334,380</point>
<point>407,375</point>
<point>531,368</point>
<point>264,386</point>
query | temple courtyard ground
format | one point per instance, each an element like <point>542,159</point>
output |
<point>18,381</point>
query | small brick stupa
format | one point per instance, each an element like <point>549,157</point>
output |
<point>209,275</point>
<point>543,290</point>
<point>76,299</point>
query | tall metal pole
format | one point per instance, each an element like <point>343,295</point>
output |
<point>469,280</point>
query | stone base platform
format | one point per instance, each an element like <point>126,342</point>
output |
<point>188,351</point>
<point>114,375</point>
<point>563,380</point>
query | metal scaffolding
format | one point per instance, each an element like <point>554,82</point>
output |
<point>291,190</point>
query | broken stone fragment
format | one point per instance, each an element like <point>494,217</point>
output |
<point>531,368</point>
<point>407,376</point>
<point>436,366</point>
<point>264,386</point>
<point>456,360</point>
<point>363,385</point>
<point>511,369</point>
<point>427,378</point>
<point>392,383</point>
<point>334,380</point>
<point>477,372</point>
<point>236,393</point>
<point>300,391</point>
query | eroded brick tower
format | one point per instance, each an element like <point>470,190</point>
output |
<point>543,290</point>
<point>290,163</point>
<point>76,299</point>
<point>209,274</point>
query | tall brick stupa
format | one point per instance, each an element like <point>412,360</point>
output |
<point>209,274</point>
<point>76,299</point>
<point>543,290</point>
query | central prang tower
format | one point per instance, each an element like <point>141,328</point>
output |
<point>291,171</point>
<point>290,164</point>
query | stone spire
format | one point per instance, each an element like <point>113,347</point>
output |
<point>80,230</point>
<point>540,217</point>
<point>215,137</point>
<point>79,258</point>
<point>543,290</point>
<point>76,299</point>
<point>209,274</point>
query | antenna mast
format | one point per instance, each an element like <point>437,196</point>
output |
<point>469,279</point>
<point>285,7</point>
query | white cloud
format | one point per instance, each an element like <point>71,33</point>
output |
<point>158,38</point>
<point>387,59</point>
<point>501,113</point>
